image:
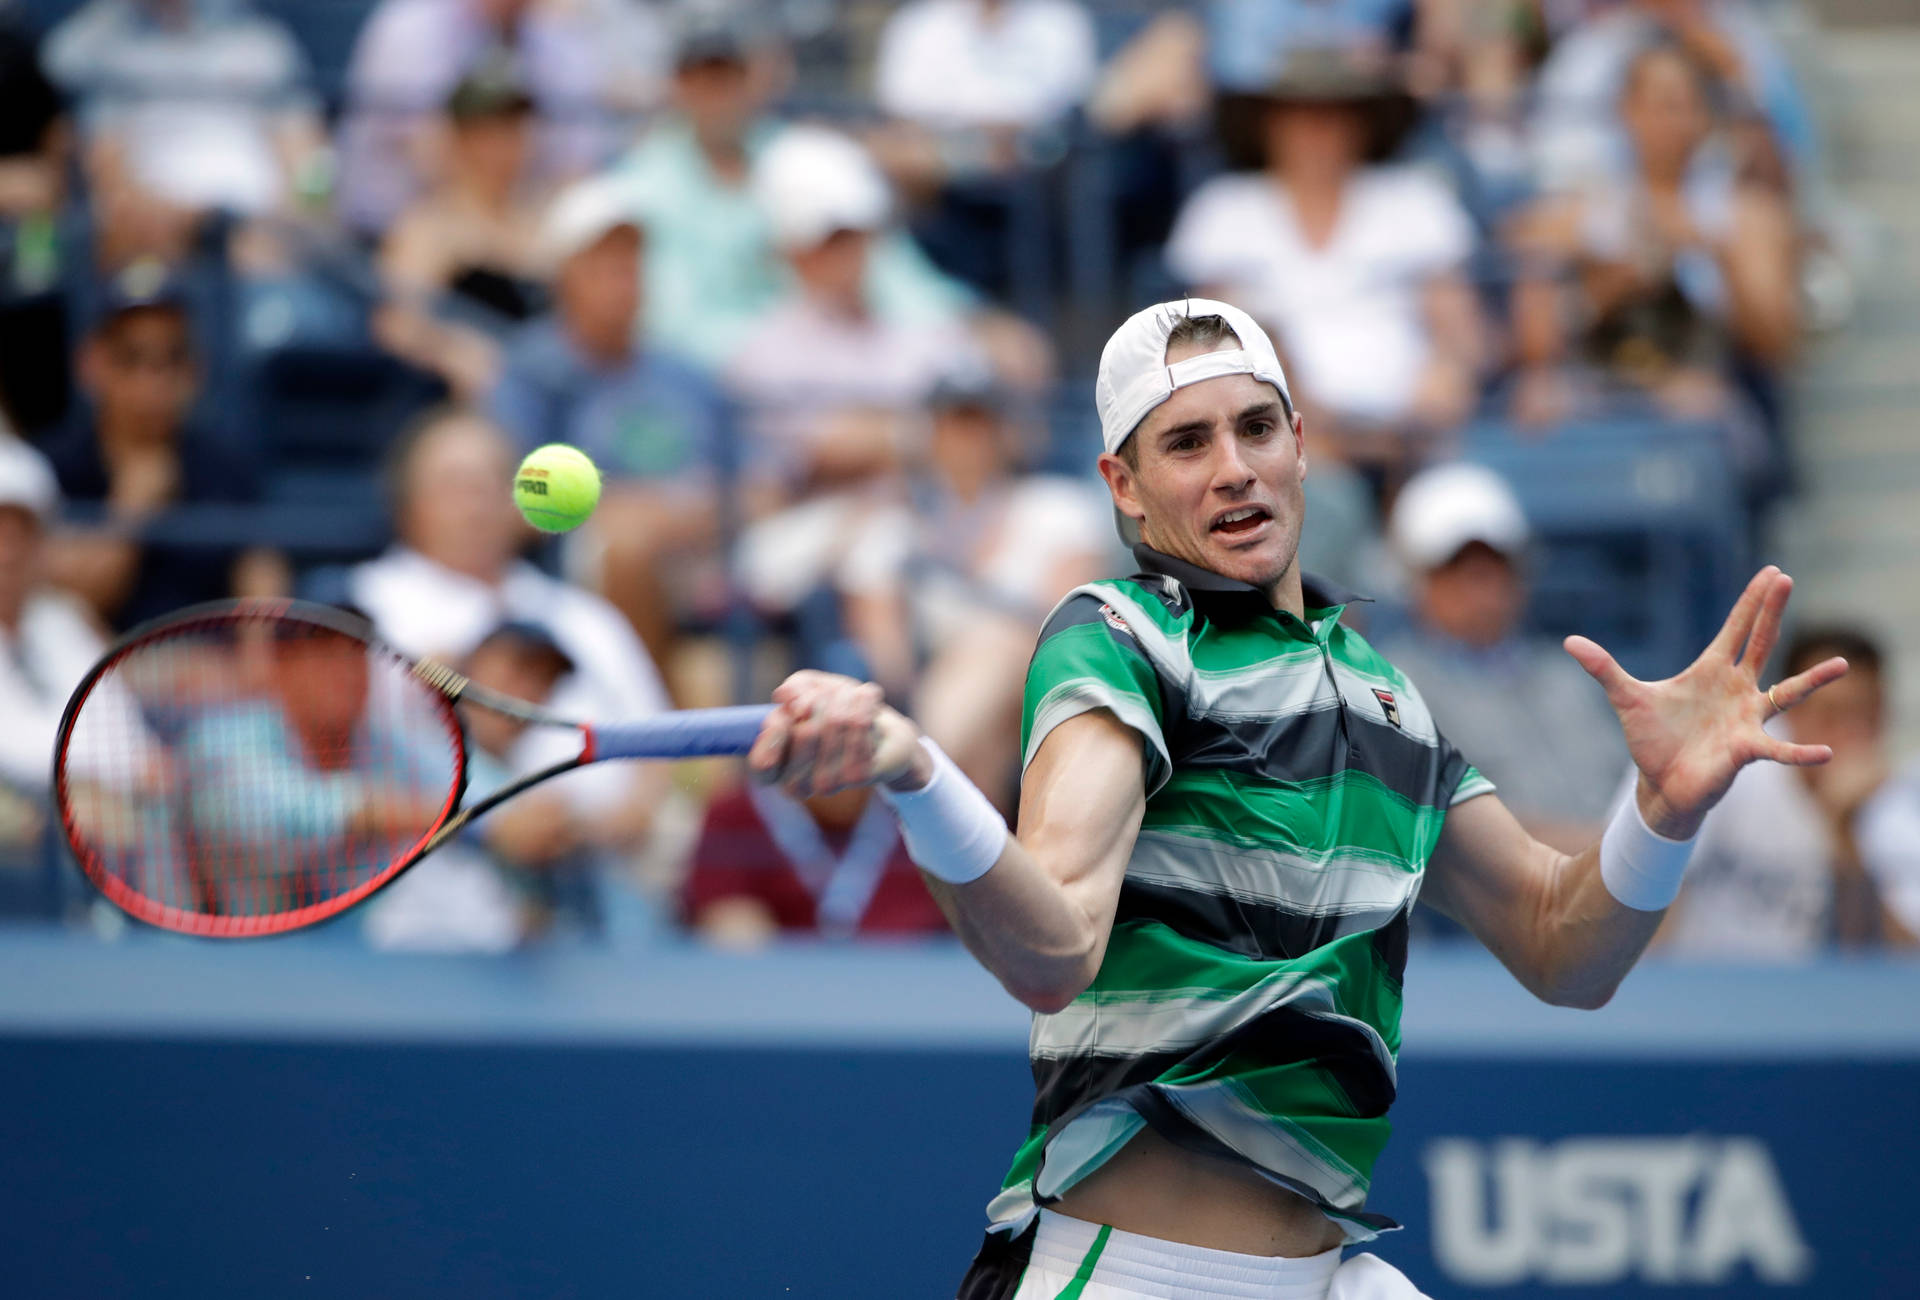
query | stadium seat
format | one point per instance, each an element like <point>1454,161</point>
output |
<point>1641,525</point>
<point>325,417</point>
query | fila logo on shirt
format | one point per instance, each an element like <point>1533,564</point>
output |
<point>1114,620</point>
<point>1387,706</point>
<point>1674,1211</point>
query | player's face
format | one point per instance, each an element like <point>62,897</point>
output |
<point>1218,483</point>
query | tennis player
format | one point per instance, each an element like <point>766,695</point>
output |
<point>1228,807</point>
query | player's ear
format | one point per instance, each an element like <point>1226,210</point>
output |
<point>1300,444</point>
<point>1120,480</point>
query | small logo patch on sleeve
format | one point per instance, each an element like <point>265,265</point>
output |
<point>1114,620</point>
<point>1387,705</point>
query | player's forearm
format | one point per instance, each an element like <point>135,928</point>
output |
<point>1033,935</point>
<point>1586,939</point>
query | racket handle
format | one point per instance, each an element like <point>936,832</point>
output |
<point>689,733</point>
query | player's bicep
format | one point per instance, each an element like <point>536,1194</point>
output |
<point>1081,803</point>
<point>1491,876</point>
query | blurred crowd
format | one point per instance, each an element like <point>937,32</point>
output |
<point>288,286</point>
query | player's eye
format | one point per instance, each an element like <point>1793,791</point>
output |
<point>1259,428</point>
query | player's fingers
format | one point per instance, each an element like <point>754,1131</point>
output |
<point>1602,667</point>
<point>1786,694</point>
<point>847,747</point>
<point>803,747</point>
<point>1782,751</point>
<point>768,756</point>
<point>1766,627</point>
<point>1733,633</point>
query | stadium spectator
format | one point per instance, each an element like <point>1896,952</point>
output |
<point>817,365</point>
<point>47,641</point>
<point>1537,726</point>
<point>1248,39</point>
<point>767,864</point>
<point>35,144</point>
<point>132,451</point>
<point>712,269</point>
<point>943,590</point>
<point>455,574</point>
<point>1358,265</point>
<point>187,108</point>
<point>991,66</point>
<point>1794,860</point>
<point>460,265</point>
<point>1680,268</point>
<point>583,375</point>
<point>1576,134</point>
<point>976,92</point>
<point>530,869</point>
<point>584,64</point>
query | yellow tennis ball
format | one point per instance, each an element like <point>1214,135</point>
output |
<point>556,487</point>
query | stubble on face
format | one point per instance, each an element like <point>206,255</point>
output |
<point>1181,478</point>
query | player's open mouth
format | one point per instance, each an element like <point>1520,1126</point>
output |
<point>1240,522</point>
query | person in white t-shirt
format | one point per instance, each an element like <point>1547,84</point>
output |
<point>943,591</point>
<point>456,574</point>
<point>990,64</point>
<point>1357,266</point>
<point>1795,860</point>
<point>47,642</point>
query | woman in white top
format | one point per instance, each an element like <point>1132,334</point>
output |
<point>1357,266</point>
<point>1669,274</point>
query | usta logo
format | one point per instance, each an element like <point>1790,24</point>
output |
<point>1586,1211</point>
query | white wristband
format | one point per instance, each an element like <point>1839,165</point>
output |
<point>1641,868</point>
<point>950,829</point>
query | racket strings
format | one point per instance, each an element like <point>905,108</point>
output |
<point>228,774</point>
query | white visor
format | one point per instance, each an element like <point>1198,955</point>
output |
<point>1135,377</point>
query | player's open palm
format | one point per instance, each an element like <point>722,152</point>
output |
<point>1690,735</point>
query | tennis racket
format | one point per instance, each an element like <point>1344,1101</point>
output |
<point>254,767</point>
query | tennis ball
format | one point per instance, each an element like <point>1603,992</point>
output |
<point>556,487</point>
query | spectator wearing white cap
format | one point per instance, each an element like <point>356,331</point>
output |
<point>825,379</point>
<point>47,639</point>
<point>584,374</point>
<point>711,266</point>
<point>1534,722</point>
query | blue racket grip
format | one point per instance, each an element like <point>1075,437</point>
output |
<point>690,733</point>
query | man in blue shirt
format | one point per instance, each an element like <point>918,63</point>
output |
<point>656,426</point>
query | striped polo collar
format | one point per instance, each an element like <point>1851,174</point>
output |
<point>1316,593</point>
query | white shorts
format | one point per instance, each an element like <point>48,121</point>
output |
<point>1073,1260</point>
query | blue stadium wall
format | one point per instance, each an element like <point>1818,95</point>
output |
<point>275,1121</point>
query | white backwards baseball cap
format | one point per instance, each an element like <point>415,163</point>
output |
<point>1441,510</point>
<point>1135,377</point>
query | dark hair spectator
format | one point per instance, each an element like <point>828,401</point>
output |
<point>1796,859</point>
<point>1576,137</point>
<point>1357,265</point>
<point>460,265</point>
<point>133,450</point>
<point>1675,271</point>
<point>585,65</point>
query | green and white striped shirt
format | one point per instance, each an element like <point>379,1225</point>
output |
<point>1249,1002</point>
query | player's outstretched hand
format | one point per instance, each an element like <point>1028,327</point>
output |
<point>1690,735</point>
<point>829,733</point>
